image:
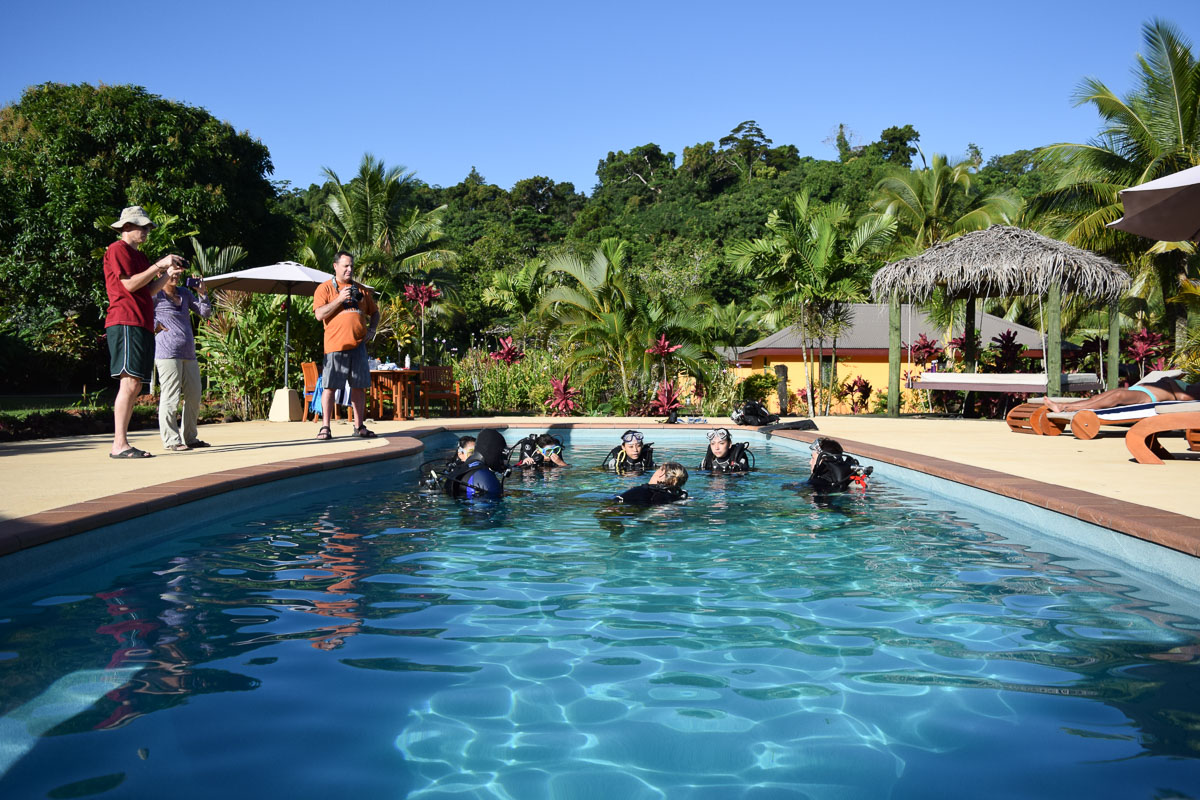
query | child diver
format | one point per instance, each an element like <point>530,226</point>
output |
<point>665,486</point>
<point>724,455</point>
<point>539,450</point>
<point>832,469</point>
<point>631,455</point>
<point>478,469</point>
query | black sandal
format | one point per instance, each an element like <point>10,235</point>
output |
<point>362,432</point>
<point>324,434</point>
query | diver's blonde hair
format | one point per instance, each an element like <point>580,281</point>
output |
<point>674,474</point>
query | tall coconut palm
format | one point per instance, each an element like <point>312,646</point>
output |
<point>938,203</point>
<point>371,216</point>
<point>813,260</point>
<point>1151,132</point>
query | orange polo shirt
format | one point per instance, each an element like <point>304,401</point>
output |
<point>346,329</point>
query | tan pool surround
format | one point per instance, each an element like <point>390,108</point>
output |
<point>60,487</point>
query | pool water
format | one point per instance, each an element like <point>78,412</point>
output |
<point>751,642</point>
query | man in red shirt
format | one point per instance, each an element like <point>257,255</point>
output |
<point>348,311</point>
<point>131,282</point>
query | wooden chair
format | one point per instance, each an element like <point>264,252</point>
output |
<point>1142,438</point>
<point>309,368</point>
<point>437,383</point>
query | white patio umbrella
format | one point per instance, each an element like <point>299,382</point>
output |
<point>1166,209</point>
<point>286,277</point>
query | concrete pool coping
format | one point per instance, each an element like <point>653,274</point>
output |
<point>38,476</point>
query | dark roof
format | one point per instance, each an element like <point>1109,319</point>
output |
<point>869,331</point>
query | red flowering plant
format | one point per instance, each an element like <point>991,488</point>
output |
<point>1146,345</point>
<point>924,351</point>
<point>509,353</point>
<point>858,392</point>
<point>666,399</point>
<point>422,295</point>
<point>563,400</point>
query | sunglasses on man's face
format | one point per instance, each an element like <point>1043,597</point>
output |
<point>718,434</point>
<point>631,436</point>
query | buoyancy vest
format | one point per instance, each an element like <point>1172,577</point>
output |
<point>835,473</point>
<point>651,494</point>
<point>737,459</point>
<point>472,478</point>
<point>618,460</point>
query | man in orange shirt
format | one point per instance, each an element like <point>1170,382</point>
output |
<point>350,316</point>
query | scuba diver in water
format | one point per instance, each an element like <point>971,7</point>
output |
<point>631,455</point>
<point>466,447</point>
<point>665,486</point>
<point>478,469</point>
<point>539,450</point>
<point>832,469</point>
<point>724,455</point>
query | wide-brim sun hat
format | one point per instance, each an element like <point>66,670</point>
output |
<point>135,215</point>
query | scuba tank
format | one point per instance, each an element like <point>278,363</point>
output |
<point>481,475</point>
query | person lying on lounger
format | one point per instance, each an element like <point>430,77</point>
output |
<point>1157,391</point>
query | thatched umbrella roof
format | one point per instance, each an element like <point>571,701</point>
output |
<point>1001,261</point>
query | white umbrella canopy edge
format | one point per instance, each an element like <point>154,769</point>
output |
<point>286,277</point>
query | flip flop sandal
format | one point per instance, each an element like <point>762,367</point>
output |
<point>179,448</point>
<point>131,452</point>
<point>363,433</point>
<point>324,434</point>
<point>198,443</point>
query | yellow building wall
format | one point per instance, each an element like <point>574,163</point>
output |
<point>874,369</point>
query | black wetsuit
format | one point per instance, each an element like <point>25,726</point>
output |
<point>651,494</point>
<point>618,460</point>
<point>835,473</point>
<point>736,459</point>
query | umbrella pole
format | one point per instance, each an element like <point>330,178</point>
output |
<point>1114,344</point>
<point>287,335</point>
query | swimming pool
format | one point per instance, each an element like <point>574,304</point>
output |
<point>371,641</point>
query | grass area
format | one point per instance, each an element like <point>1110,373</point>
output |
<point>24,403</point>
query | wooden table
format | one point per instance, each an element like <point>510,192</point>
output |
<point>402,384</point>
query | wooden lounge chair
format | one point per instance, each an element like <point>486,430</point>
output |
<point>1086,424</point>
<point>1142,439</point>
<point>437,383</point>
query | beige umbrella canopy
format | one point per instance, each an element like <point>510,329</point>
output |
<point>1001,261</point>
<point>1166,209</point>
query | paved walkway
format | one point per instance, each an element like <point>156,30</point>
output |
<point>41,477</point>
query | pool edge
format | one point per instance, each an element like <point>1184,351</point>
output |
<point>1164,528</point>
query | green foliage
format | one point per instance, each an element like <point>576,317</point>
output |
<point>758,386</point>
<point>499,388</point>
<point>241,348</point>
<point>69,154</point>
<point>1151,132</point>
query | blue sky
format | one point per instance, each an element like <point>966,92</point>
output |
<point>519,89</point>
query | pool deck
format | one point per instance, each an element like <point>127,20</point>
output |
<point>54,488</point>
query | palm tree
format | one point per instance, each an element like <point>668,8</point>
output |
<point>1153,131</point>
<point>938,203</point>
<point>814,262</point>
<point>216,260</point>
<point>370,217</point>
<point>519,293</point>
<point>611,323</point>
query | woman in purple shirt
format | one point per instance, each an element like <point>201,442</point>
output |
<point>175,358</point>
